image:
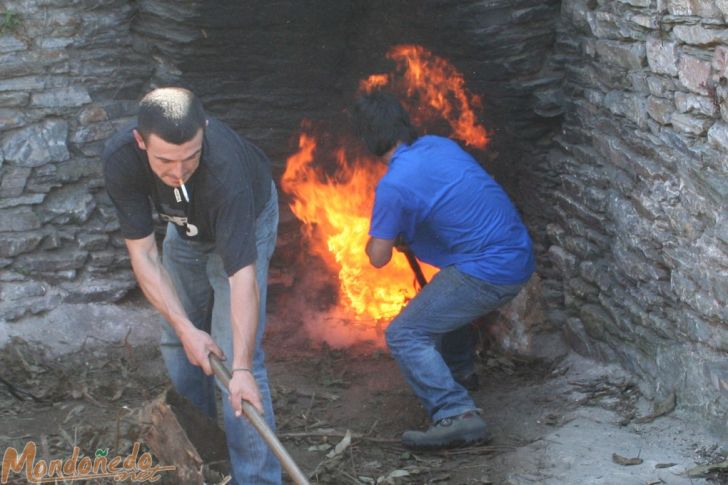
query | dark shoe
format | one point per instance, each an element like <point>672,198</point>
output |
<point>469,382</point>
<point>463,430</point>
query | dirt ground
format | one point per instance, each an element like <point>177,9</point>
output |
<point>564,420</point>
<point>80,375</point>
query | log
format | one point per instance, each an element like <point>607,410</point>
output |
<point>179,434</point>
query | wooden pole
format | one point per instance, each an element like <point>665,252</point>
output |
<point>261,426</point>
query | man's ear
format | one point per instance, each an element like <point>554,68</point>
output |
<point>139,140</point>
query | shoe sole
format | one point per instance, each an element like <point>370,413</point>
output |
<point>461,443</point>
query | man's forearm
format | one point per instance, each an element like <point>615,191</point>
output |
<point>244,311</point>
<point>157,286</point>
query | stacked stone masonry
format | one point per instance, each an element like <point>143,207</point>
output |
<point>641,236</point>
<point>68,78</point>
<point>609,122</point>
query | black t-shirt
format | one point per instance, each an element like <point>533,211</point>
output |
<point>227,192</point>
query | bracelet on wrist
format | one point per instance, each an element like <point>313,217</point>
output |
<point>242,369</point>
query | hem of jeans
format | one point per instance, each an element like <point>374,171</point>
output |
<point>452,412</point>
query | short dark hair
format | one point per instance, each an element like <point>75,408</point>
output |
<point>381,121</point>
<point>174,114</point>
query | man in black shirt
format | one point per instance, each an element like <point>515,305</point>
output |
<point>215,190</point>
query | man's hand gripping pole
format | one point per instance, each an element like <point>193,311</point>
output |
<point>261,426</point>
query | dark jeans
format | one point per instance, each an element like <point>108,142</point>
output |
<point>431,338</point>
<point>197,271</point>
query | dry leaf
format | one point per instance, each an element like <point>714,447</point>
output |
<point>621,460</point>
<point>341,446</point>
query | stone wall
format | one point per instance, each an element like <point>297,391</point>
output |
<point>640,237</point>
<point>70,72</point>
<point>68,76</point>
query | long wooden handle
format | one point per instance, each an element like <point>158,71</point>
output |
<point>261,426</point>
<point>415,265</point>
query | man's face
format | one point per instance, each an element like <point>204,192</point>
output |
<point>173,164</point>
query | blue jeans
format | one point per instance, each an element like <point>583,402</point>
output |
<point>202,285</point>
<point>431,339</point>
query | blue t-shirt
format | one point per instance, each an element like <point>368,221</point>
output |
<point>451,212</point>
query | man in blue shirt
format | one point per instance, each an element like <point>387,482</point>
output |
<point>443,205</point>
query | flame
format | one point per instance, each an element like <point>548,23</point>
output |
<point>335,205</point>
<point>438,89</point>
<point>335,210</point>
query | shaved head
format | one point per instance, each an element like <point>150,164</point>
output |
<point>174,114</point>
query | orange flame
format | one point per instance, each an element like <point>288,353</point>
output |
<point>336,210</point>
<point>436,84</point>
<point>335,206</point>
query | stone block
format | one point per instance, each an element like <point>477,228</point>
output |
<point>691,288</point>
<point>18,64</point>
<point>72,203</point>
<point>77,168</point>
<point>92,241</point>
<point>690,124</point>
<point>700,35</point>
<point>55,261</point>
<point>603,25</point>
<point>14,99</point>
<point>693,103</point>
<point>718,136</point>
<point>31,199</point>
<point>23,84</point>
<point>11,311</point>
<point>562,259</point>
<point>694,74</point>
<point>637,3</point>
<point>720,62</point>
<point>573,207</point>
<point>660,109</point>
<point>576,11</point>
<point>55,42</point>
<point>13,181</point>
<point>582,289</point>
<point>596,321</point>
<point>94,132</point>
<point>10,118</point>
<point>10,43</point>
<point>629,55</point>
<point>97,289</point>
<point>18,219</point>
<point>21,291</point>
<point>722,5</point>
<point>92,114</point>
<point>69,97</point>
<point>660,86</point>
<point>662,56</point>
<point>645,21</point>
<point>699,8</point>
<point>101,260</point>
<point>633,263</point>
<point>37,144</point>
<point>13,244</point>
<point>631,106</point>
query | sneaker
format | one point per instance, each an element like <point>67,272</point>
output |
<point>463,430</point>
<point>469,382</point>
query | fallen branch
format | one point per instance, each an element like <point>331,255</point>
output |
<point>336,434</point>
<point>18,393</point>
<point>702,470</point>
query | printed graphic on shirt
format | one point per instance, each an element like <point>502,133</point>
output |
<point>190,229</point>
<point>179,218</point>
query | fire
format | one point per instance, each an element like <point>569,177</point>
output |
<point>335,205</point>
<point>438,89</point>
<point>335,210</point>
